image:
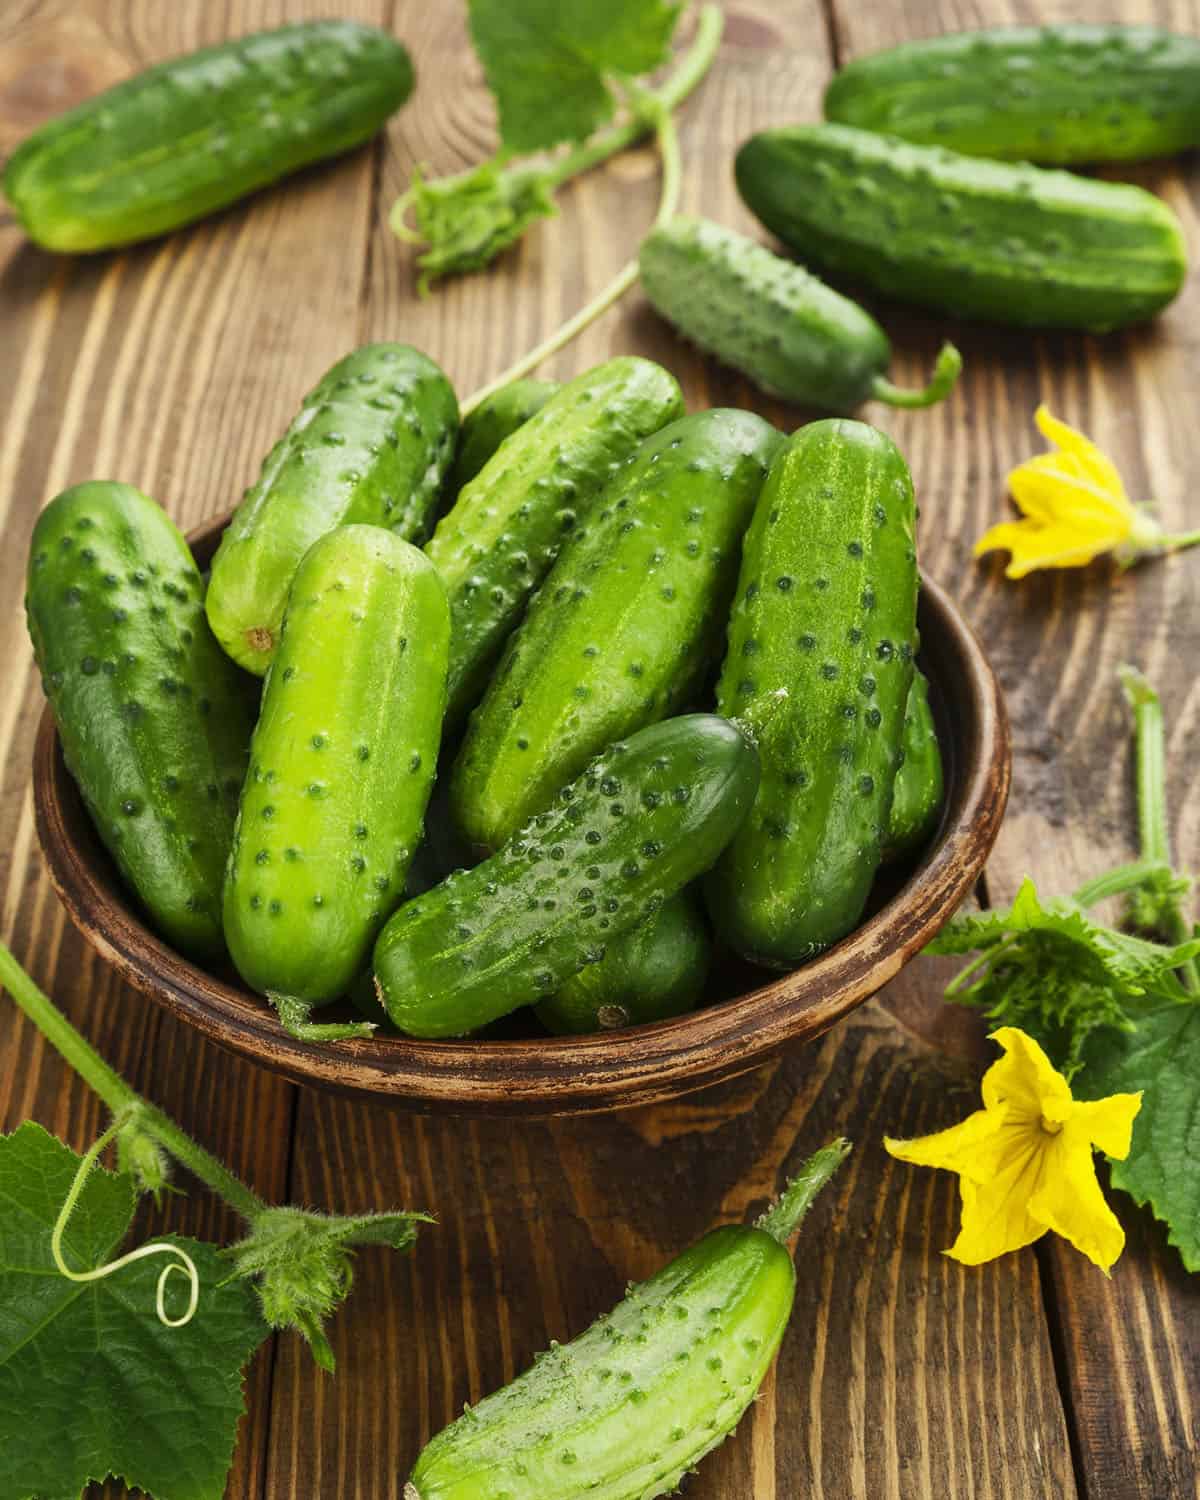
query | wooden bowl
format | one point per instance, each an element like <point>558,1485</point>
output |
<point>754,1015</point>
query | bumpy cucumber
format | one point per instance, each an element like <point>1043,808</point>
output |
<point>984,239</point>
<point>625,625</point>
<point>370,444</point>
<point>1053,94</point>
<point>646,817</point>
<point>791,334</point>
<point>920,781</point>
<point>194,134</point>
<point>153,718</point>
<point>625,1410</point>
<point>503,532</point>
<point>341,764</point>
<point>824,618</point>
<point>493,420</point>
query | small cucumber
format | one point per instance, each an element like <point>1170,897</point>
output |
<point>625,1410</point>
<point>644,819</point>
<point>626,623</point>
<point>920,781</point>
<point>983,239</point>
<point>503,532</point>
<point>153,718</point>
<point>1052,94</point>
<point>197,133</point>
<point>791,334</point>
<point>341,764</point>
<point>370,444</point>
<point>824,620</point>
<point>493,420</point>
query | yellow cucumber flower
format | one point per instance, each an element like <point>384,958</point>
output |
<point>1024,1160</point>
<point>1074,508</point>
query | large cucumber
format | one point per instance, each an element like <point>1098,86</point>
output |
<point>341,765</point>
<point>824,621</point>
<point>493,420</point>
<point>153,718</point>
<point>1053,94</point>
<point>371,444</point>
<point>920,781</point>
<point>194,134</point>
<point>503,532</point>
<point>644,819</point>
<point>625,625</point>
<point>999,240</point>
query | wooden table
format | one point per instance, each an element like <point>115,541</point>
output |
<point>174,366</point>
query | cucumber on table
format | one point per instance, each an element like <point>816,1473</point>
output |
<point>153,718</point>
<point>493,420</point>
<point>920,781</point>
<point>197,133</point>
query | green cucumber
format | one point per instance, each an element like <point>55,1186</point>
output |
<point>370,443</point>
<point>493,420</point>
<point>823,622</point>
<point>1052,94</point>
<point>197,133</point>
<point>920,781</point>
<point>774,321</point>
<point>645,818</point>
<point>341,764</point>
<point>626,624</point>
<point>153,718</point>
<point>503,532</point>
<point>996,240</point>
<point>629,1407</point>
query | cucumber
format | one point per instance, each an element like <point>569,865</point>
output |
<point>625,626</point>
<point>625,1410</point>
<point>153,718</point>
<point>791,334</point>
<point>984,239</point>
<point>646,817</point>
<point>824,620</point>
<point>655,971</point>
<point>370,444</point>
<point>503,532</point>
<point>920,781</point>
<point>341,765</point>
<point>493,420</point>
<point>1053,94</point>
<point>197,133</point>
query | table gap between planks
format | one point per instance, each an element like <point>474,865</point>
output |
<point>175,365</point>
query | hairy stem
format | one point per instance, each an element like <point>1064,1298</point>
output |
<point>1116,882</point>
<point>783,1218</point>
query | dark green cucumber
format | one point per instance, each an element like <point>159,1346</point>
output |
<point>153,718</point>
<point>503,532</point>
<point>920,781</point>
<point>341,765</point>
<point>195,134</point>
<point>644,819</point>
<point>823,621</point>
<point>774,321</point>
<point>371,443</point>
<point>626,624</point>
<point>493,420</point>
<point>625,1410</point>
<point>655,971</point>
<point>1052,94</point>
<point>984,239</point>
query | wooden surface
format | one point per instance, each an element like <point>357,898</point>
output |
<point>174,366</point>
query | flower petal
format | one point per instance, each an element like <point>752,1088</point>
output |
<point>1068,1200</point>
<point>1098,464</point>
<point>1034,546</point>
<point>995,1213</point>
<point>1053,490</point>
<point>1024,1078</point>
<point>1108,1123</point>
<point>966,1148</point>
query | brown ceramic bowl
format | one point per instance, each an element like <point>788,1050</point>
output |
<point>753,1015</point>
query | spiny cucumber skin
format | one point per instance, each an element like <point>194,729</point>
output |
<point>825,612</point>
<point>645,818</point>
<point>493,420</point>
<point>1051,94</point>
<point>153,718</point>
<point>501,536</point>
<point>920,780</point>
<point>341,765</point>
<point>626,623</point>
<point>1003,241</point>
<point>792,335</point>
<point>198,132</point>
<point>627,1408</point>
<point>370,444</point>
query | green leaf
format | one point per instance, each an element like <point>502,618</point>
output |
<point>101,1386</point>
<point>548,61</point>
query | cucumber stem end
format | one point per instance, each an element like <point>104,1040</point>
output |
<point>943,380</point>
<point>784,1216</point>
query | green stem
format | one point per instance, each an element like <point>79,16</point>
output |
<point>1116,882</point>
<point>945,375</point>
<point>783,1218</point>
<point>985,957</point>
<point>294,1018</point>
<point>1180,540</point>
